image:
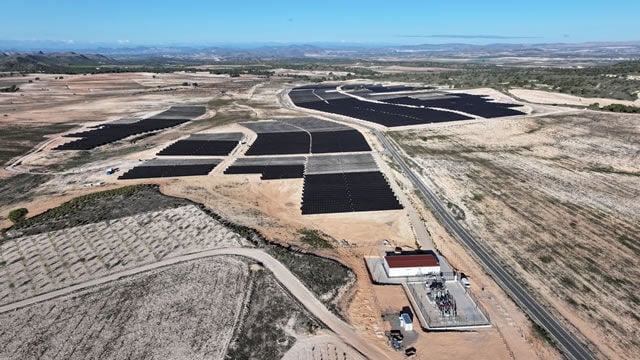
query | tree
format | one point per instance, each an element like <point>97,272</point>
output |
<point>18,215</point>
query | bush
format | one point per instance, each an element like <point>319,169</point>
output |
<point>18,215</point>
<point>12,88</point>
<point>315,238</point>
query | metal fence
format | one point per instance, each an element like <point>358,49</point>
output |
<point>435,321</point>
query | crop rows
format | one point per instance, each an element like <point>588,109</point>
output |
<point>35,264</point>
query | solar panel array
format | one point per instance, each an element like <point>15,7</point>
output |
<point>162,168</point>
<point>347,192</point>
<point>269,172</point>
<point>304,136</point>
<point>119,130</point>
<point>204,145</point>
<point>386,109</point>
<point>380,113</point>
<point>270,168</point>
<point>478,105</point>
<point>338,141</point>
<point>295,142</point>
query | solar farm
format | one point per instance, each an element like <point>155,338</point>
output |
<point>220,144</point>
<point>157,168</point>
<point>121,129</point>
<point>270,168</point>
<point>304,136</point>
<point>347,181</point>
<point>399,105</point>
<point>335,161</point>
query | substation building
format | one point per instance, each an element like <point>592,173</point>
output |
<point>400,263</point>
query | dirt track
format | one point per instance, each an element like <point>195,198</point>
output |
<point>293,285</point>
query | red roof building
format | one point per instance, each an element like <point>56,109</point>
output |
<point>411,264</point>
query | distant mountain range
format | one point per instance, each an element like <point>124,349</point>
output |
<point>40,61</point>
<point>35,55</point>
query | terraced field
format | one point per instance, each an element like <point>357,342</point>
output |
<point>34,264</point>
<point>187,311</point>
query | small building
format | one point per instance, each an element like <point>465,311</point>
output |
<point>411,263</point>
<point>404,320</point>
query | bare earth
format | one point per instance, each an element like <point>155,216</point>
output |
<point>179,312</point>
<point>272,207</point>
<point>547,97</point>
<point>555,198</point>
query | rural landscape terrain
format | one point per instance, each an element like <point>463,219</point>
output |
<point>228,204</point>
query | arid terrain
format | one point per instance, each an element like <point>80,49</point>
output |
<point>190,310</point>
<point>564,182</point>
<point>555,197</point>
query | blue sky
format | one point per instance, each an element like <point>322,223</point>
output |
<point>399,22</point>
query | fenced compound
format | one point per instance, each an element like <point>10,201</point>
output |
<point>446,306</point>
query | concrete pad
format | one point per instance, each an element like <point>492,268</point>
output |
<point>331,164</point>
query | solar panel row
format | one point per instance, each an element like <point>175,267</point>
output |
<point>200,148</point>
<point>380,113</point>
<point>144,172</point>
<point>111,132</point>
<point>347,192</point>
<point>299,142</point>
<point>295,142</point>
<point>471,104</point>
<point>269,172</point>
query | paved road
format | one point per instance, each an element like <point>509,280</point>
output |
<point>569,344</point>
<point>288,280</point>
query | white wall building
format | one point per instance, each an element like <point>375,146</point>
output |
<point>411,264</point>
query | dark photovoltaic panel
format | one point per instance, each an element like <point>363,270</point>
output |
<point>144,172</point>
<point>338,141</point>
<point>200,148</point>
<point>269,172</point>
<point>471,104</point>
<point>296,142</point>
<point>385,114</point>
<point>347,192</point>
<point>171,168</point>
<point>115,131</point>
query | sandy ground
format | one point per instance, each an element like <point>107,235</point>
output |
<point>547,97</point>
<point>547,194</point>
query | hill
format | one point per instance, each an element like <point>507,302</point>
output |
<point>49,62</point>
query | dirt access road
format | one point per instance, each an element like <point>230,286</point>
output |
<point>288,280</point>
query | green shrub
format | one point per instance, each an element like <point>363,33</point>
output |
<point>315,238</point>
<point>18,215</point>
